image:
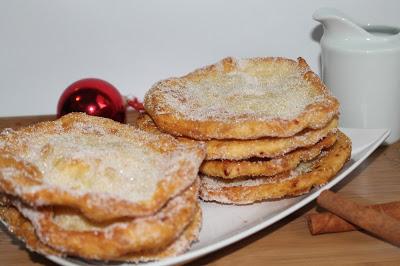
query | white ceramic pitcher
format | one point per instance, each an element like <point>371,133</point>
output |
<point>361,66</point>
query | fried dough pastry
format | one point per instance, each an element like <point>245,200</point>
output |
<point>245,149</point>
<point>293,183</point>
<point>105,169</point>
<point>261,167</point>
<point>145,122</point>
<point>68,231</point>
<point>266,147</point>
<point>190,235</point>
<point>242,99</point>
<point>22,228</point>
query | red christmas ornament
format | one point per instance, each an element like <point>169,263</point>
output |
<point>95,97</point>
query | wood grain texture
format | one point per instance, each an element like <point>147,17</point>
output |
<point>287,242</point>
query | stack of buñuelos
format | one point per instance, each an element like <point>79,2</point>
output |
<point>93,188</point>
<point>269,125</point>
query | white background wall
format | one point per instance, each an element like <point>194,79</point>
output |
<point>47,44</point>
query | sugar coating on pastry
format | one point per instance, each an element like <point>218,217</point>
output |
<point>235,96</point>
<point>23,229</point>
<point>228,169</point>
<point>104,168</point>
<point>268,147</point>
<point>67,231</point>
<point>76,162</point>
<point>292,183</point>
<point>266,94</point>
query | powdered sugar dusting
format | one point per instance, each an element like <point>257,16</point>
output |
<point>86,158</point>
<point>141,228</point>
<point>277,90</point>
<point>95,163</point>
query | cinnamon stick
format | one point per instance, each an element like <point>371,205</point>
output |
<point>326,222</point>
<point>374,221</point>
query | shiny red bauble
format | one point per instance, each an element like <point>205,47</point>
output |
<point>94,97</point>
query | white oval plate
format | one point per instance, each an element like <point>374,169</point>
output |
<point>226,224</point>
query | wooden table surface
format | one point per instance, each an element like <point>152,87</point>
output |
<point>287,242</point>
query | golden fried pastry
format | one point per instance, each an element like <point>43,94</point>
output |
<point>144,122</point>
<point>190,235</point>
<point>245,149</point>
<point>24,230</point>
<point>105,169</point>
<point>293,183</point>
<point>261,167</point>
<point>242,99</point>
<point>71,233</point>
<point>266,147</point>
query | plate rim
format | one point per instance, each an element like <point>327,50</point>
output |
<point>194,254</point>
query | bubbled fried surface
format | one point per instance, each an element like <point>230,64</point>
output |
<point>269,147</point>
<point>296,182</point>
<point>23,229</point>
<point>242,99</point>
<point>229,169</point>
<point>105,169</point>
<point>71,233</point>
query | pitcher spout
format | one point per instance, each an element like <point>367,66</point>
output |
<point>337,24</point>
